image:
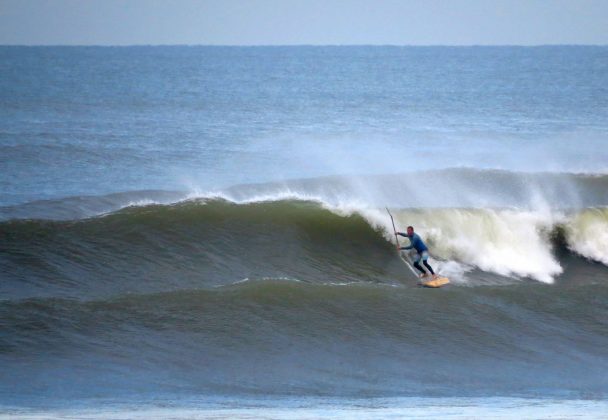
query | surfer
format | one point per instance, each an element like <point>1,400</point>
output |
<point>421,249</point>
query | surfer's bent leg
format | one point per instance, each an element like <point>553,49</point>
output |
<point>417,264</point>
<point>425,257</point>
<point>419,267</point>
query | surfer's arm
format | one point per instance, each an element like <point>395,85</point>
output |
<point>404,247</point>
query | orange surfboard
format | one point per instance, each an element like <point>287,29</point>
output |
<point>436,282</point>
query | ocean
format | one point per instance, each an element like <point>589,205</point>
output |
<point>202,231</point>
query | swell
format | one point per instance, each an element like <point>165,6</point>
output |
<point>205,243</point>
<point>190,244</point>
<point>282,337</point>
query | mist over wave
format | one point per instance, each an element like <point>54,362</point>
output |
<point>464,188</point>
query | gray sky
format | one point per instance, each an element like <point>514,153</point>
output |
<point>288,22</point>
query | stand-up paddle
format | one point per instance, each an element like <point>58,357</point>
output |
<point>406,262</point>
<point>394,230</point>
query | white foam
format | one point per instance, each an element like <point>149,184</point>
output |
<point>587,234</point>
<point>506,242</point>
<point>327,408</point>
<point>278,195</point>
<point>142,203</point>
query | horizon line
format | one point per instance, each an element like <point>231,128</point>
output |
<point>304,45</point>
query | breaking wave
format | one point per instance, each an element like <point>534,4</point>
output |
<point>215,242</point>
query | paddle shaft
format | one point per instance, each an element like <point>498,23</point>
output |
<point>394,230</point>
<point>397,240</point>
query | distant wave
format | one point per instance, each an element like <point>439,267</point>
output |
<point>446,188</point>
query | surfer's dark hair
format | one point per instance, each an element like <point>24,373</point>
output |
<point>411,227</point>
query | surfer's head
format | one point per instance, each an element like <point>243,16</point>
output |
<point>410,230</point>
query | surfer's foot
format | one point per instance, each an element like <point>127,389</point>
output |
<point>435,276</point>
<point>423,275</point>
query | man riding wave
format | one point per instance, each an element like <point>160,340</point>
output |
<point>422,252</point>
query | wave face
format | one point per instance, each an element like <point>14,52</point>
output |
<point>215,242</point>
<point>296,297</point>
<point>190,244</point>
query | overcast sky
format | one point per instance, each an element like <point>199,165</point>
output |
<point>289,22</point>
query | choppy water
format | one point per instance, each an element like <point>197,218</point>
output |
<point>192,222</point>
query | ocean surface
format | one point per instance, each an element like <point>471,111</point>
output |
<point>205,228</point>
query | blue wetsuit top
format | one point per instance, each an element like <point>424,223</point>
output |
<point>415,242</point>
